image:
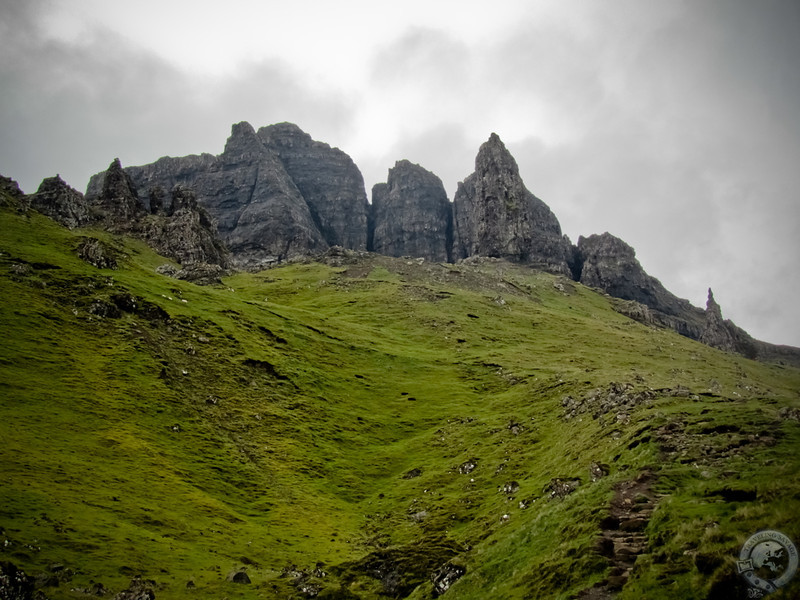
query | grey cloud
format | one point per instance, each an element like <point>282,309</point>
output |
<point>72,107</point>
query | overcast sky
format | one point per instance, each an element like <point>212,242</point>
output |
<point>673,125</point>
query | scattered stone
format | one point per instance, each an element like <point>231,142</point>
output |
<point>617,398</point>
<point>468,466</point>
<point>561,488</point>
<point>167,269</point>
<point>789,413</point>
<point>139,589</point>
<point>446,576</point>
<point>512,487</point>
<point>413,473</point>
<point>201,274</point>
<point>598,470</point>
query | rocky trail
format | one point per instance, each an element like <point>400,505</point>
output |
<point>623,536</point>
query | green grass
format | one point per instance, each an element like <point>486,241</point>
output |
<point>269,422</point>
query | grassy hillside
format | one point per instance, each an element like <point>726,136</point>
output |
<point>344,428</point>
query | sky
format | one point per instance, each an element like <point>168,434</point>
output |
<point>672,125</point>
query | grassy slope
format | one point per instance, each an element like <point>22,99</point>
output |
<point>269,422</point>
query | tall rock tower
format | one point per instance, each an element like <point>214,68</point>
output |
<point>494,214</point>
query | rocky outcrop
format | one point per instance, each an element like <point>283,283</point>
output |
<point>10,194</point>
<point>183,231</point>
<point>716,332</point>
<point>606,262</point>
<point>495,215</point>
<point>411,215</point>
<point>274,195</point>
<point>117,205</point>
<point>61,203</point>
<point>186,233</point>
<point>329,181</point>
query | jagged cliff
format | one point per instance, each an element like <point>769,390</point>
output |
<point>277,194</point>
<point>495,215</point>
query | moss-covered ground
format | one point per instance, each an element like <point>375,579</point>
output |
<point>344,428</point>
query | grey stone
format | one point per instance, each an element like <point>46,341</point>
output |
<point>495,215</point>
<point>411,215</point>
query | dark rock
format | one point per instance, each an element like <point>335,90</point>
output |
<point>446,576</point>
<point>14,583</point>
<point>512,487</point>
<point>187,234</point>
<point>118,203</point>
<point>468,467</point>
<point>10,194</point>
<point>97,253</point>
<point>495,215</point>
<point>139,589</point>
<point>715,333</point>
<point>156,197</point>
<point>61,203</point>
<point>201,274</point>
<point>328,180</point>
<point>598,470</point>
<point>561,488</point>
<point>608,263</point>
<point>239,576</point>
<point>260,214</point>
<point>411,214</point>
<point>412,474</point>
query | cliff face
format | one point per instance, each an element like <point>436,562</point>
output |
<point>260,213</point>
<point>495,215</point>
<point>328,180</point>
<point>182,230</point>
<point>276,194</point>
<point>60,202</point>
<point>411,214</point>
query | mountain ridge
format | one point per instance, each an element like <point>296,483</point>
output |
<point>276,194</point>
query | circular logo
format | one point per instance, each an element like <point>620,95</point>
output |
<point>768,560</point>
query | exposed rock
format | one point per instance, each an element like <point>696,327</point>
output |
<point>61,203</point>
<point>411,214</point>
<point>139,589</point>
<point>239,576</point>
<point>561,488</point>
<point>606,262</point>
<point>468,467</point>
<point>412,474</point>
<point>260,213</point>
<point>598,470</point>
<point>97,253</point>
<point>9,188</point>
<point>716,332</point>
<point>446,576</point>
<point>118,202</point>
<point>14,583</point>
<point>495,215</point>
<point>328,180</point>
<point>200,273</point>
<point>187,234</point>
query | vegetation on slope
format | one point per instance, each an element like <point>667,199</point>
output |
<point>357,426</point>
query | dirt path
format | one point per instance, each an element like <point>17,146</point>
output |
<point>622,538</point>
